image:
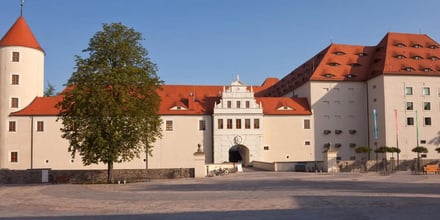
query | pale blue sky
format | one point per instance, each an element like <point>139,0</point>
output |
<point>211,41</point>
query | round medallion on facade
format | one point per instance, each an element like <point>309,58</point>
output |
<point>237,139</point>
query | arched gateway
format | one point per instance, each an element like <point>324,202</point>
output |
<point>239,153</point>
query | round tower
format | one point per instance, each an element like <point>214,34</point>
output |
<point>21,75</point>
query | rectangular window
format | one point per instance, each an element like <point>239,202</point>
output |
<point>168,125</point>
<point>248,104</point>
<point>229,104</point>
<point>15,56</point>
<point>14,102</point>
<point>306,123</point>
<point>14,157</point>
<point>202,125</point>
<point>238,104</point>
<point>426,106</point>
<point>238,123</point>
<point>220,123</point>
<point>15,80</point>
<point>12,126</point>
<point>266,147</point>
<point>409,106</point>
<point>408,91</point>
<point>256,123</point>
<point>427,121</point>
<point>307,143</point>
<point>229,123</point>
<point>40,126</point>
<point>247,123</point>
<point>426,91</point>
<point>410,121</point>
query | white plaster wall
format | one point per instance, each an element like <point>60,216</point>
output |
<point>285,137</point>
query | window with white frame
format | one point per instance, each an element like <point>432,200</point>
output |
<point>409,121</point>
<point>13,157</point>
<point>426,106</point>
<point>202,125</point>
<point>40,126</point>
<point>15,79</point>
<point>426,91</point>
<point>427,121</point>
<point>409,106</point>
<point>408,90</point>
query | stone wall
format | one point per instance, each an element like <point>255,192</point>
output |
<point>92,176</point>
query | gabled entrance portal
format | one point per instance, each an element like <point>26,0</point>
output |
<point>239,153</point>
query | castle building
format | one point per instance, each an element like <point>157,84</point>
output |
<point>343,97</point>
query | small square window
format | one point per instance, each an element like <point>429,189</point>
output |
<point>426,106</point>
<point>168,125</point>
<point>422,141</point>
<point>307,143</point>
<point>408,91</point>
<point>12,126</point>
<point>14,102</point>
<point>40,126</point>
<point>409,106</point>
<point>15,79</point>
<point>410,121</point>
<point>266,147</point>
<point>427,121</point>
<point>426,91</point>
<point>15,56</point>
<point>13,157</point>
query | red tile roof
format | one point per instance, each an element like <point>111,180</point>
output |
<point>41,106</point>
<point>396,53</point>
<point>20,35</point>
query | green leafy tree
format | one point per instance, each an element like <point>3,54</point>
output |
<point>109,111</point>
<point>363,150</point>
<point>383,150</point>
<point>50,90</point>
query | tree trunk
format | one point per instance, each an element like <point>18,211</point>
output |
<point>110,172</point>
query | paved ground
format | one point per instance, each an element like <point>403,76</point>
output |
<point>248,195</point>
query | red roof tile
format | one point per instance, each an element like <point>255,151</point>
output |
<point>20,35</point>
<point>41,106</point>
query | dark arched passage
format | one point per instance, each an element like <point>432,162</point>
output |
<point>239,153</point>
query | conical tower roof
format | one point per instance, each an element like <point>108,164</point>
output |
<point>20,35</point>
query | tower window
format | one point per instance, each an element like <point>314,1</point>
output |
<point>15,56</point>
<point>14,102</point>
<point>15,80</point>
<point>12,126</point>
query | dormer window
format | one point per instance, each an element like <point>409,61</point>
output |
<point>433,58</point>
<point>409,69</point>
<point>339,53</point>
<point>354,64</point>
<point>400,56</point>
<point>433,46</point>
<point>178,107</point>
<point>328,75</point>
<point>401,45</point>
<point>427,70</point>
<point>417,46</point>
<point>334,64</point>
<point>417,57</point>
<point>285,107</point>
<point>362,54</point>
<point>349,76</point>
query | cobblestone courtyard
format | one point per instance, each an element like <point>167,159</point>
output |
<point>248,195</point>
